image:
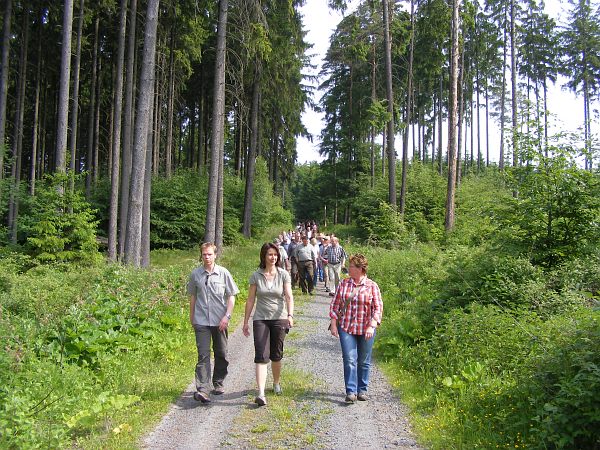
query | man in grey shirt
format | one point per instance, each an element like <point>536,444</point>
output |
<point>212,294</point>
<point>306,259</point>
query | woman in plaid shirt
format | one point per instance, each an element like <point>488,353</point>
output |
<point>355,313</point>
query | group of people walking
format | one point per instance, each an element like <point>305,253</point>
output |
<point>312,257</point>
<point>355,312</point>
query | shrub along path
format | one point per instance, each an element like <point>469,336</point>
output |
<point>310,413</point>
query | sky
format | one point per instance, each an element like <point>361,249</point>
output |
<point>320,22</point>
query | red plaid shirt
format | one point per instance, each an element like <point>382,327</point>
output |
<point>363,307</point>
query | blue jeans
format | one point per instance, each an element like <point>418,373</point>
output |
<point>356,353</point>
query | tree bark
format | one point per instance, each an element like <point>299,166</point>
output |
<point>91,113</point>
<point>75,107</point>
<point>36,116</point>
<point>170,106</point>
<point>128,113</point>
<point>116,139</point>
<point>409,101</point>
<point>440,124</point>
<point>452,119</point>
<point>503,101</point>
<point>513,70</point>
<point>390,106</point>
<point>218,119</point>
<point>63,92</point>
<point>145,244</point>
<point>13,213</point>
<point>133,242</point>
<point>251,169</point>
<point>4,82</point>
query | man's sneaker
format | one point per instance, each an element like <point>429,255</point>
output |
<point>277,389</point>
<point>363,397</point>
<point>260,401</point>
<point>201,397</point>
<point>218,390</point>
<point>350,398</point>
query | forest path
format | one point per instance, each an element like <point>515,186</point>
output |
<point>310,416</point>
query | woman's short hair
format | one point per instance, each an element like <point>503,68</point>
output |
<point>263,255</point>
<point>360,261</point>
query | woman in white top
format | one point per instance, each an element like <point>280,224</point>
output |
<point>271,290</point>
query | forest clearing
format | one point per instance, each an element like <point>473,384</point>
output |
<point>132,131</point>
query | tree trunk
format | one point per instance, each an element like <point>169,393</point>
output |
<point>479,152</point>
<point>92,108</point>
<point>452,119</point>
<point>63,92</point>
<point>13,214</point>
<point>145,244</point>
<point>170,106</point>
<point>373,99</point>
<point>461,110</point>
<point>409,101</point>
<point>219,220</point>
<point>75,107</point>
<point>128,113</point>
<point>513,71</point>
<point>218,125</point>
<point>440,124</point>
<point>96,163</point>
<point>4,82</point>
<point>133,242</point>
<point>503,101</point>
<point>158,115</point>
<point>116,139</point>
<point>36,116</point>
<point>390,107</point>
<point>251,168</point>
<point>201,131</point>
<point>487,125</point>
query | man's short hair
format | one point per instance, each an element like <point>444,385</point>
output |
<point>206,245</point>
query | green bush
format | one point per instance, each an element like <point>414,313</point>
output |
<point>178,208</point>
<point>61,227</point>
<point>386,228</point>
<point>77,344</point>
<point>512,283</point>
<point>555,216</point>
<point>564,383</point>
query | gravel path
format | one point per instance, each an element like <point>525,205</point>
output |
<point>379,423</point>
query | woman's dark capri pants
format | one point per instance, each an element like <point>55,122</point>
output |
<point>268,339</point>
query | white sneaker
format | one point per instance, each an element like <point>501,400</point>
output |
<point>277,389</point>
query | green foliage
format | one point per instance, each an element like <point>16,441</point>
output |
<point>387,228</point>
<point>480,201</point>
<point>425,202</point>
<point>565,384</point>
<point>178,208</point>
<point>490,349</point>
<point>266,207</point>
<point>61,227</point>
<point>77,344</point>
<point>556,214</point>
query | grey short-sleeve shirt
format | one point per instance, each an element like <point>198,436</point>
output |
<point>212,291</point>
<point>270,299</point>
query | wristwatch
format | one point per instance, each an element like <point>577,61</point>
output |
<point>228,316</point>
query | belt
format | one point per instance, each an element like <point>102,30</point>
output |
<point>305,260</point>
<point>331,262</point>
